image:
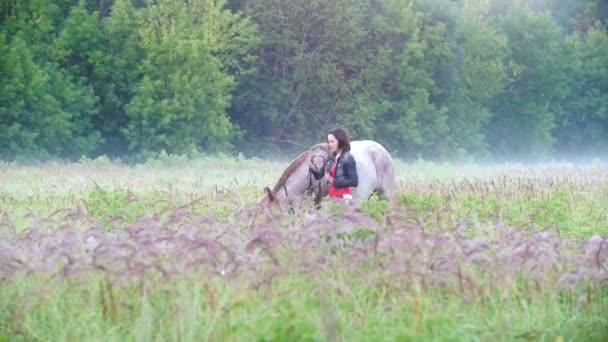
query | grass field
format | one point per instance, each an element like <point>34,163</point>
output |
<point>177,250</point>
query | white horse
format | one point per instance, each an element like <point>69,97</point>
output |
<point>375,171</point>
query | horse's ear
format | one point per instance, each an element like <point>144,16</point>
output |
<point>269,193</point>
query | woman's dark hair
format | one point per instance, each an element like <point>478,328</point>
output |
<point>342,137</point>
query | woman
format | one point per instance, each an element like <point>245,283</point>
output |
<point>340,166</point>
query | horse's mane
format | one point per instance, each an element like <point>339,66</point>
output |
<point>290,169</point>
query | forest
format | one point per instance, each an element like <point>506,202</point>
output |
<point>454,80</point>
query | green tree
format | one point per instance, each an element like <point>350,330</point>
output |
<point>116,74</point>
<point>479,54</point>
<point>44,112</point>
<point>540,65</point>
<point>407,46</point>
<point>193,51</point>
<point>78,44</point>
<point>302,72</point>
<point>584,128</point>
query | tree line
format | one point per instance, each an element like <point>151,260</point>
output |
<point>437,79</point>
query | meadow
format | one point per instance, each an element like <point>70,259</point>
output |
<point>177,249</point>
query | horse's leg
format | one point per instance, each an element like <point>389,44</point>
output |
<point>361,193</point>
<point>385,193</point>
<point>388,188</point>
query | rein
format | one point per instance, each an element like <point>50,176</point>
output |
<point>309,187</point>
<point>291,210</point>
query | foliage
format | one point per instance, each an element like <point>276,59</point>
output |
<point>109,205</point>
<point>375,207</point>
<point>588,104</point>
<point>480,55</point>
<point>43,111</point>
<point>305,47</point>
<point>178,249</point>
<point>437,79</point>
<point>540,63</point>
<point>180,102</point>
<point>116,74</point>
<point>280,277</point>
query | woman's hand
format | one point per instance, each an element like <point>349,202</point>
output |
<point>329,179</point>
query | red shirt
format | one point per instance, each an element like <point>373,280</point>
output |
<point>333,192</point>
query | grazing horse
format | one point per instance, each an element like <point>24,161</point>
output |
<point>374,169</point>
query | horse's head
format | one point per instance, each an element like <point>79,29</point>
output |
<point>318,154</point>
<point>297,182</point>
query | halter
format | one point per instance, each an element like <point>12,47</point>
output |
<point>309,187</point>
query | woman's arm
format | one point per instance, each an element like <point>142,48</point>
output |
<point>350,175</point>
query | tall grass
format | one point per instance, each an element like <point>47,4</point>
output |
<point>178,250</point>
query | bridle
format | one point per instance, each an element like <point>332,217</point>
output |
<point>311,184</point>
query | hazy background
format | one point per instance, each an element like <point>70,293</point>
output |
<point>460,81</point>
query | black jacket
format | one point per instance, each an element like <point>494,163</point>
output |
<point>346,171</point>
